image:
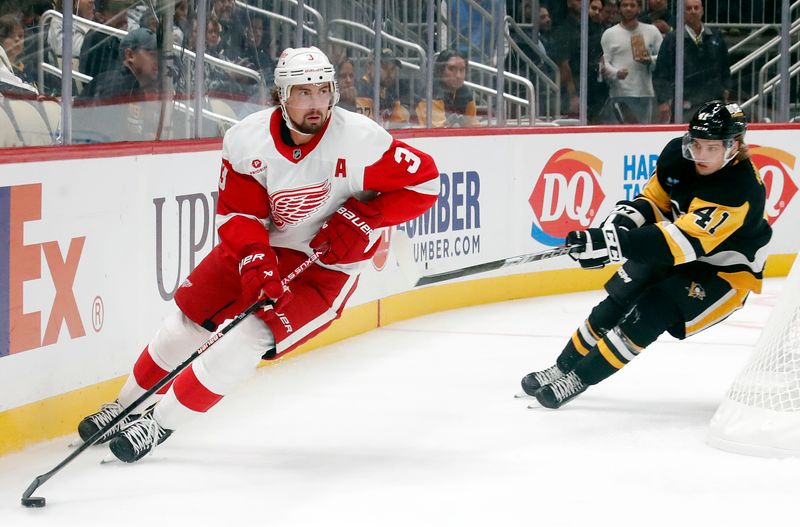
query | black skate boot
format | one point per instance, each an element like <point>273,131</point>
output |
<point>532,382</point>
<point>138,438</point>
<point>561,391</point>
<point>91,424</point>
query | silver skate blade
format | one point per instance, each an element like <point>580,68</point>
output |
<point>110,458</point>
<point>521,395</point>
<point>75,443</point>
<point>535,406</point>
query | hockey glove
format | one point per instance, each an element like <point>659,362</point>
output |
<point>594,248</point>
<point>259,275</point>
<point>344,238</point>
<point>624,216</point>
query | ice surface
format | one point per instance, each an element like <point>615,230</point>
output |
<point>415,424</point>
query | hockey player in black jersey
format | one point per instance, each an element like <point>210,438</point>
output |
<point>694,241</point>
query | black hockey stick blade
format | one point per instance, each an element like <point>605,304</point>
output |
<point>494,265</point>
<point>28,500</point>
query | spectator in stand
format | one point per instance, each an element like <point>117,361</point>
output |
<point>180,20</point>
<point>256,51</point>
<point>392,111</point>
<point>12,37</point>
<point>609,16</point>
<point>234,24</point>
<point>706,66</point>
<point>659,15</point>
<point>630,49</point>
<point>545,29</point>
<point>55,33</point>
<point>31,15</point>
<point>100,51</point>
<point>148,20</point>
<point>121,104</point>
<point>453,103</point>
<point>558,10</point>
<point>567,54</point>
<point>13,8</point>
<point>346,72</point>
<point>137,74</point>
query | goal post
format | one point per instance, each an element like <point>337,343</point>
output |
<point>760,415</point>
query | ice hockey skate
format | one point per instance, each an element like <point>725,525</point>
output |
<point>561,391</point>
<point>532,382</point>
<point>138,438</point>
<point>91,424</point>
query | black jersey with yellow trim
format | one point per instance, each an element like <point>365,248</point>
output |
<point>715,219</point>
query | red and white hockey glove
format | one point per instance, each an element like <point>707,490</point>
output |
<point>259,275</point>
<point>345,236</point>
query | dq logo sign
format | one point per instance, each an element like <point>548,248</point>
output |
<point>21,263</point>
<point>775,167</point>
<point>566,196</point>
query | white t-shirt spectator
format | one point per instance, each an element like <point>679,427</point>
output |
<point>618,54</point>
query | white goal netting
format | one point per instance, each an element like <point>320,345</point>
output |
<point>761,413</point>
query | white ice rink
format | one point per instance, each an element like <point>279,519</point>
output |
<point>415,424</point>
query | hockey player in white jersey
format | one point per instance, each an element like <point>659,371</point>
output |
<point>300,177</point>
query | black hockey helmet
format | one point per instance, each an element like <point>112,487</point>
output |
<point>718,120</point>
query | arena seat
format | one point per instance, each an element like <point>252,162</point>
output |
<point>31,126</point>
<point>8,134</point>
<point>52,113</point>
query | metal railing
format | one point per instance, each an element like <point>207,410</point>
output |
<point>283,24</point>
<point>547,83</point>
<point>749,73</point>
<point>526,105</point>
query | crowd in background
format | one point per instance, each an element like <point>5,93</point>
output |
<point>632,58</point>
<point>631,55</point>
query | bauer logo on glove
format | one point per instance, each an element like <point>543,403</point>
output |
<point>345,237</point>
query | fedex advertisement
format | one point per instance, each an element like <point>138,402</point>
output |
<point>25,261</point>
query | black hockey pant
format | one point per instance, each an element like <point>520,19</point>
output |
<point>643,302</point>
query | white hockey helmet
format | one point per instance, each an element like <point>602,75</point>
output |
<point>304,66</point>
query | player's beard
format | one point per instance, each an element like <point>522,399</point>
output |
<point>309,127</point>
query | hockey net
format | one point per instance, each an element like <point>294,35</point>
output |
<point>761,413</point>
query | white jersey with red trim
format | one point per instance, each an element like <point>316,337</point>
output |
<point>292,190</point>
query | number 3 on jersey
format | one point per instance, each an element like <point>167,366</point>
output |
<point>404,154</point>
<point>223,176</point>
<point>706,217</point>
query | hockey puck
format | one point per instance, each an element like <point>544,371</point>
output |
<point>33,502</point>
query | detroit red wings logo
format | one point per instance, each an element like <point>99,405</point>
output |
<point>293,206</point>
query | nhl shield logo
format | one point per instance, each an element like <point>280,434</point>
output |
<point>296,153</point>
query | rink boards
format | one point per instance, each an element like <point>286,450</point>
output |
<point>96,239</point>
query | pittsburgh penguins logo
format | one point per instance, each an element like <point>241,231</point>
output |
<point>696,291</point>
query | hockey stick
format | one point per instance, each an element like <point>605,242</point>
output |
<point>33,501</point>
<point>496,264</point>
